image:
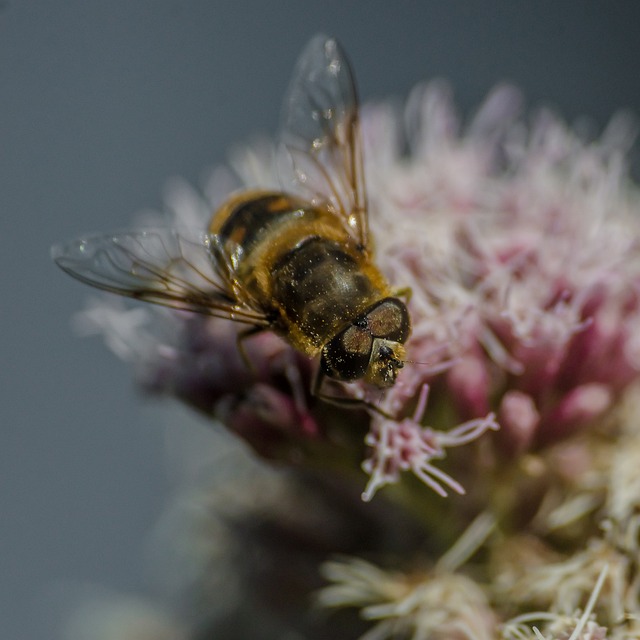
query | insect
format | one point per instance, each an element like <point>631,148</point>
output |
<point>297,262</point>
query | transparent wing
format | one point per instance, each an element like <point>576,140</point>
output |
<point>321,154</point>
<point>163,266</point>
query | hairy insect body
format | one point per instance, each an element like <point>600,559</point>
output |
<point>318,288</point>
<point>297,263</point>
<point>300,264</point>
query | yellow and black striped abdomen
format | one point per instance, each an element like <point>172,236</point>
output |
<point>299,264</point>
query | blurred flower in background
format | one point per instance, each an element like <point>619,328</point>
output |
<point>520,242</point>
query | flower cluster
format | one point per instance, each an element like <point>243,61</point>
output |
<point>520,242</point>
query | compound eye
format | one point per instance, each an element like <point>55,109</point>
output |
<point>347,356</point>
<point>389,320</point>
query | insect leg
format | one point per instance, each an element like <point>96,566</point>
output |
<point>241,337</point>
<point>341,401</point>
<point>403,292</point>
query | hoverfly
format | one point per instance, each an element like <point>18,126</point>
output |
<point>297,262</point>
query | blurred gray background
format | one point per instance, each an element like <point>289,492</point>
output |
<point>101,103</point>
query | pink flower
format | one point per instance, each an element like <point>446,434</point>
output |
<point>520,249</point>
<point>521,245</point>
<point>404,445</point>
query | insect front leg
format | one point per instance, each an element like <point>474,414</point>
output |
<point>403,292</point>
<point>341,401</point>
